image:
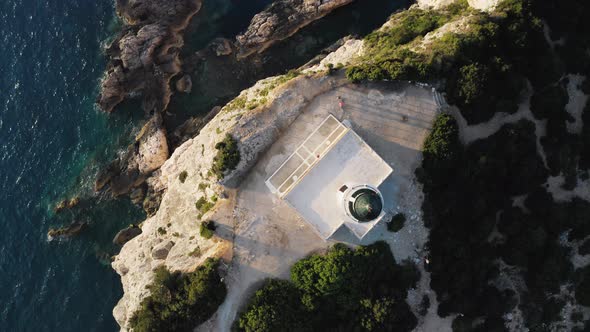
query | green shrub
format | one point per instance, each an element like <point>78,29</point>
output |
<point>276,306</point>
<point>161,230</point>
<point>182,176</point>
<point>343,290</point>
<point>207,229</point>
<point>179,302</point>
<point>203,205</point>
<point>441,148</point>
<point>396,223</point>
<point>227,158</point>
<point>196,252</point>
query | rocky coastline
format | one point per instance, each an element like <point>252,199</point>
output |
<point>145,55</point>
<point>145,64</point>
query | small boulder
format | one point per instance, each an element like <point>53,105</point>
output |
<point>221,46</point>
<point>137,196</point>
<point>66,204</point>
<point>66,232</point>
<point>185,84</point>
<point>161,250</point>
<point>126,234</point>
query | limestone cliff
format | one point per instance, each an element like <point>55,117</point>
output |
<point>281,20</point>
<point>255,119</point>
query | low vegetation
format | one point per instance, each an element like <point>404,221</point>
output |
<point>227,158</point>
<point>396,223</point>
<point>180,302</point>
<point>207,229</point>
<point>343,290</point>
<point>182,176</point>
<point>203,205</point>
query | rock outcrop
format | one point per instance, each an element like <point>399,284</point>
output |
<point>66,232</point>
<point>145,155</point>
<point>145,55</point>
<point>184,84</point>
<point>281,20</point>
<point>126,234</point>
<point>66,204</point>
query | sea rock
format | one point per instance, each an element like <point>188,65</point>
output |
<point>126,234</point>
<point>222,46</point>
<point>65,232</point>
<point>132,168</point>
<point>153,145</point>
<point>161,250</point>
<point>137,195</point>
<point>185,84</point>
<point>281,20</point>
<point>66,204</point>
<point>145,55</point>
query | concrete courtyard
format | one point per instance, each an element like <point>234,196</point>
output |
<point>269,235</point>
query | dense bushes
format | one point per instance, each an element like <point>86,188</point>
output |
<point>465,205</point>
<point>483,66</point>
<point>180,302</point>
<point>227,158</point>
<point>343,290</point>
<point>275,307</point>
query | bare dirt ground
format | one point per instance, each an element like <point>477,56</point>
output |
<point>269,236</point>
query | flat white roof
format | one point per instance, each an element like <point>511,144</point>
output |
<point>313,192</point>
<point>313,148</point>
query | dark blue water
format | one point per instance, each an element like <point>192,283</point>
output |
<point>50,64</point>
<point>52,141</point>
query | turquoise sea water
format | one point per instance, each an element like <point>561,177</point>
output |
<point>52,140</point>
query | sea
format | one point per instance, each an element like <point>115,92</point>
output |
<point>53,141</point>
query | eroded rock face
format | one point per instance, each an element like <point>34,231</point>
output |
<point>153,146</point>
<point>161,250</point>
<point>222,46</point>
<point>185,84</point>
<point>126,234</point>
<point>143,157</point>
<point>281,20</point>
<point>145,55</point>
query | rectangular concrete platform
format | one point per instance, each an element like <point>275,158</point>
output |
<point>309,180</point>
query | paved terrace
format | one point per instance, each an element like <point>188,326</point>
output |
<point>270,236</point>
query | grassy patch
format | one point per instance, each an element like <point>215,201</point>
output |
<point>195,252</point>
<point>203,205</point>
